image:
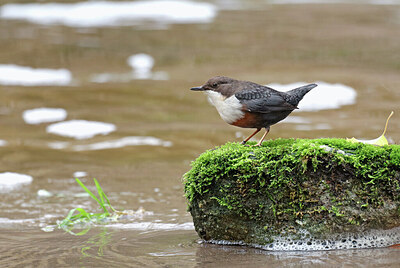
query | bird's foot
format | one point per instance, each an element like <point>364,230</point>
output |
<point>243,143</point>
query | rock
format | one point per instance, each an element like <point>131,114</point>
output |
<point>297,194</point>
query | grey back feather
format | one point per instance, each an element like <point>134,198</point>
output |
<point>263,99</point>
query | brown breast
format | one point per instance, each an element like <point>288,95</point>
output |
<point>250,120</point>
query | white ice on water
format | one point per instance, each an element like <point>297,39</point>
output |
<point>15,75</point>
<point>10,180</point>
<point>80,129</point>
<point>44,115</point>
<point>323,97</point>
<point>108,13</point>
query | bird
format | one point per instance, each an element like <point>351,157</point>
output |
<point>250,105</point>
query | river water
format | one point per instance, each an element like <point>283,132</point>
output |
<point>107,96</point>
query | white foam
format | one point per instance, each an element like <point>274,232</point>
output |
<point>44,115</point>
<point>3,143</point>
<point>15,75</point>
<point>123,142</point>
<point>153,226</point>
<point>325,96</point>
<point>369,239</point>
<point>9,180</point>
<point>79,174</point>
<point>107,13</point>
<point>80,129</point>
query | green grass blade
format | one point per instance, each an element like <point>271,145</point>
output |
<point>65,222</point>
<point>103,195</point>
<point>99,191</point>
<point>83,213</point>
<point>91,194</point>
<point>108,203</point>
<point>78,216</point>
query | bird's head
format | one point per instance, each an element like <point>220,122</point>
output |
<point>220,84</point>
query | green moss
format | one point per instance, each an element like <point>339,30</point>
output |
<point>322,183</point>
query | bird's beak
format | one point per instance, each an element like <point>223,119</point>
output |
<point>197,89</point>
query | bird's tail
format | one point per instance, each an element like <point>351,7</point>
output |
<point>297,94</point>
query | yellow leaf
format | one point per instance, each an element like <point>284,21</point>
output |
<point>380,141</point>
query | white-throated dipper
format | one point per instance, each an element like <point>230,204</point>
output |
<point>250,105</point>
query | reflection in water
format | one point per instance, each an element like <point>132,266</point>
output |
<point>98,248</point>
<point>98,241</point>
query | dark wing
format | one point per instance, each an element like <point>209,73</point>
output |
<point>263,99</point>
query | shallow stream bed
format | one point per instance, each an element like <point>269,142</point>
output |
<point>140,126</point>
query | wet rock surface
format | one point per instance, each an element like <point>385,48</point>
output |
<point>297,194</point>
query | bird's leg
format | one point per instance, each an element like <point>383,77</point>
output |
<point>263,137</point>
<point>249,137</point>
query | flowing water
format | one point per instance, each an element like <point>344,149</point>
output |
<point>119,109</point>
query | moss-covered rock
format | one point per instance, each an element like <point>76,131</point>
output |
<point>324,190</point>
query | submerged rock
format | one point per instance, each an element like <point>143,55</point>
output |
<point>297,194</point>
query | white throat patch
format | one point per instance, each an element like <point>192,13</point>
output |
<point>230,109</point>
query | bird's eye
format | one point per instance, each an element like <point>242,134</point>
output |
<point>215,84</point>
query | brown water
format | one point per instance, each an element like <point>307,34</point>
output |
<point>356,45</point>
